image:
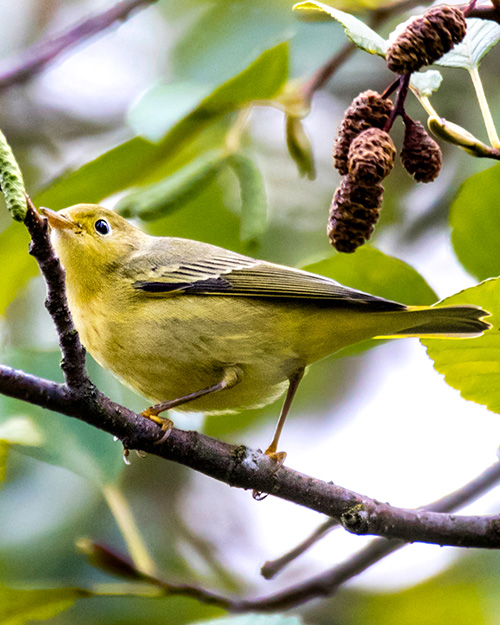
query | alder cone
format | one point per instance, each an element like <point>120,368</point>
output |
<point>371,157</point>
<point>420,154</point>
<point>354,211</point>
<point>367,110</point>
<point>426,39</point>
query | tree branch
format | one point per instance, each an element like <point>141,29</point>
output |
<point>250,469</point>
<point>323,585</point>
<point>35,59</point>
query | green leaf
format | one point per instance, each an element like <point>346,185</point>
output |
<point>139,161</point>
<point>481,36</point>
<point>473,365</point>
<point>475,220</point>
<point>253,196</point>
<point>254,619</point>
<point>426,83</point>
<point>356,30</point>
<point>151,117</point>
<point>20,606</point>
<point>372,271</point>
<point>261,80</point>
<point>425,604</point>
<point>111,172</point>
<point>17,265</point>
<point>164,197</point>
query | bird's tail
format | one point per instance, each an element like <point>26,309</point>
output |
<point>447,322</point>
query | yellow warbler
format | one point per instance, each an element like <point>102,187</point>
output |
<point>202,328</point>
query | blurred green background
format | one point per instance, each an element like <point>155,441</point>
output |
<point>380,421</point>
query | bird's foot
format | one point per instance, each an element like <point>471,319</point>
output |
<point>165,423</point>
<point>278,457</point>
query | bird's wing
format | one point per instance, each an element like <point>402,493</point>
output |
<point>231,274</point>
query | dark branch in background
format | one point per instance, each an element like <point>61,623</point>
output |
<point>326,71</point>
<point>323,585</point>
<point>271,568</point>
<point>35,59</point>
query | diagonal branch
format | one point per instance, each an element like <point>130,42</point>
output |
<point>250,469</point>
<point>322,585</point>
<point>35,59</point>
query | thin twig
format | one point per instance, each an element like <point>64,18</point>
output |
<point>35,59</point>
<point>485,12</point>
<point>73,353</point>
<point>272,567</point>
<point>322,585</point>
<point>326,71</point>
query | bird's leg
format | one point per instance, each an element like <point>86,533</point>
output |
<point>232,375</point>
<point>293,385</point>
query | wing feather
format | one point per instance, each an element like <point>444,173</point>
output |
<point>231,274</point>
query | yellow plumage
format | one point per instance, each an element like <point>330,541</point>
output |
<point>172,317</point>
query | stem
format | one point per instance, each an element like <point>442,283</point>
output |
<point>399,106</point>
<point>425,102</point>
<point>326,71</point>
<point>271,568</point>
<point>129,530</point>
<point>485,109</point>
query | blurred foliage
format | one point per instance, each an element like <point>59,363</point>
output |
<point>19,606</point>
<point>200,147</point>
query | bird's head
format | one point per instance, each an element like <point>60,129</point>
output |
<point>91,241</point>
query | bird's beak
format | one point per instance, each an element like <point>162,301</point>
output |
<point>58,221</point>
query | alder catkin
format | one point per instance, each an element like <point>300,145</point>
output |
<point>354,211</point>
<point>426,38</point>
<point>420,154</point>
<point>367,110</point>
<point>371,157</point>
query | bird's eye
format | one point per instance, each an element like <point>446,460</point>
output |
<point>102,227</point>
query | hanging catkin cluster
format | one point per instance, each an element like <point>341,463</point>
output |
<point>364,154</point>
<point>426,39</point>
<point>356,204</point>
<point>420,155</point>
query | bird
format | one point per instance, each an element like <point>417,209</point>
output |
<point>197,327</point>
